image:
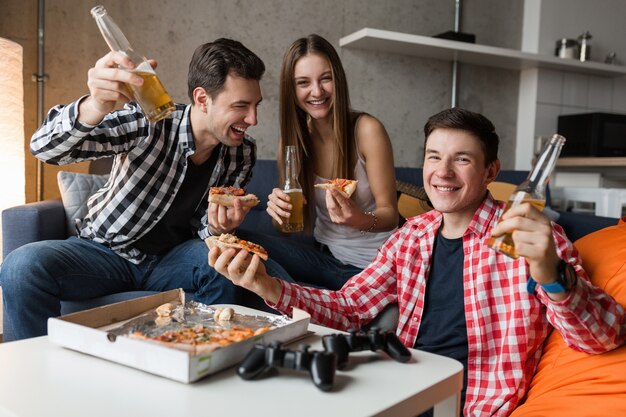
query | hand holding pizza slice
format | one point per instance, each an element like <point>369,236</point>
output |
<point>244,272</point>
<point>344,186</point>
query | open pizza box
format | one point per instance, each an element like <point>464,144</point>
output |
<point>87,332</point>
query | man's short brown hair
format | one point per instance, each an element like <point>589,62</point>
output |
<point>474,123</point>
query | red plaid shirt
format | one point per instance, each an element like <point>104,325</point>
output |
<point>506,326</point>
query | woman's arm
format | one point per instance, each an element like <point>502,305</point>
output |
<point>375,147</point>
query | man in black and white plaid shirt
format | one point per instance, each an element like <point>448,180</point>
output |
<point>145,228</point>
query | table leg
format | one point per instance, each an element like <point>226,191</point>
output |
<point>450,407</point>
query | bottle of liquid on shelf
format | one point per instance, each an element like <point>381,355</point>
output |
<point>295,222</point>
<point>151,95</point>
<point>532,190</point>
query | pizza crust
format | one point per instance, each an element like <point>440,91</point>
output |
<point>223,314</point>
<point>165,310</point>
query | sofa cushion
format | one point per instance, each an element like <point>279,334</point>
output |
<point>75,189</point>
<point>575,384</point>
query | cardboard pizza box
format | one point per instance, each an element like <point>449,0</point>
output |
<point>86,331</point>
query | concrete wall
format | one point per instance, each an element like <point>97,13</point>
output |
<point>401,91</point>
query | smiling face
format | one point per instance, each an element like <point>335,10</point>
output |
<point>455,175</point>
<point>314,85</point>
<point>231,112</point>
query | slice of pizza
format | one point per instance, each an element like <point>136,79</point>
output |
<point>226,195</point>
<point>345,187</point>
<point>199,339</point>
<point>226,240</point>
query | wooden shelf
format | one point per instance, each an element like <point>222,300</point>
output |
<point>591,162</point>
<point>443,49</point>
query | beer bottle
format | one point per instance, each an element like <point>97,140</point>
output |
<point>291,185</point>
<point>151,95</point>
<point>532,190</point>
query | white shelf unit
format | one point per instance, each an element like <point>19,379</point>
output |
<point>469,53</point>
<point>616,161</point>
<point>529,64</point>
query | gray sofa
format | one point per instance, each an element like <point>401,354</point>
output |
<point>46,220</point>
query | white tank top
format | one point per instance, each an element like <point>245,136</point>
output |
<point>347,244</point>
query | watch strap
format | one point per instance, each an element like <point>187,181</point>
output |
<point>563,283</point>
<point>552,287</point>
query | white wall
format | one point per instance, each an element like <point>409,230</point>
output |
<point>604,19</point>
<point>568,93</point>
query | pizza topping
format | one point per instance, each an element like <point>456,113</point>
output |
<point>346,187</point>
<point>234,241</point>
<point>340,183</point>
<point>252,247</point>
<point>226,196</point>
<point>199,334</point>
<point>234,191</point>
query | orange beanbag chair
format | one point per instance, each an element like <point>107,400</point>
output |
<point>575,384</point>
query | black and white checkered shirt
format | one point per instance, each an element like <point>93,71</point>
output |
<point>148,169</point>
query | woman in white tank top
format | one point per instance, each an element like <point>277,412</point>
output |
<point>331,141</point>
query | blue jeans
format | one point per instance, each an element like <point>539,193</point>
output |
<point>307,263</point>
<point>36,277</point>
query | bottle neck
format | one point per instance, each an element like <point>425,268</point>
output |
<point>291,170</point>
<point>539,176</point>
<point>114,36</point>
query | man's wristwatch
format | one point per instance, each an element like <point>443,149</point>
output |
<point>565,280</point>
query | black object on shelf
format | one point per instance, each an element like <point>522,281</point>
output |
<point>457,36</point>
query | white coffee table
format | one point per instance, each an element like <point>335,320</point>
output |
<point>38,378</point>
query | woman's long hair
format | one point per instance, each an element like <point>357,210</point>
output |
<point>294,128</point>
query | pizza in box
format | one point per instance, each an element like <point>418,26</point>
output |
<point>197,328</point>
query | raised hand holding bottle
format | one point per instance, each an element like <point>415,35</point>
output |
<point>155,102</point>
<point>532,190</point>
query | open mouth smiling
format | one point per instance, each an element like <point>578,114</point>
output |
<point>239,130</point>
<point>448,188</point>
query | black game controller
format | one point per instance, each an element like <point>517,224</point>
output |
<point>374,339</point>
<point>321,365</point>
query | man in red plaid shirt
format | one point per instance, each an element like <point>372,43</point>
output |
<point>456,296</point>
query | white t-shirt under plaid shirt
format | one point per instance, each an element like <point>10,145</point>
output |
<point>149,167</point>
<point>506,326</point>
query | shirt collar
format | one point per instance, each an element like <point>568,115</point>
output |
<point>484,217</point>
<point>184,131</point>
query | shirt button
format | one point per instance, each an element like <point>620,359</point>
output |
<point>414,318</point>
